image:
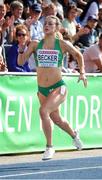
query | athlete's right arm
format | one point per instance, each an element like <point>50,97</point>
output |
<point>24,56</point>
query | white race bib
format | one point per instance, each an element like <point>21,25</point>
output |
<point>47,58</point>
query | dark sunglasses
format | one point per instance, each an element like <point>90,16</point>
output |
<point>21,34</point>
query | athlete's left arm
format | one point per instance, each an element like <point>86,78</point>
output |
<point>68,47</point>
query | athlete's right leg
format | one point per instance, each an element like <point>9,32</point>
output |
<point>48,105</point>
<point>46,122</point>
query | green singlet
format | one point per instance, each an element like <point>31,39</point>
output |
<point>48,57</point>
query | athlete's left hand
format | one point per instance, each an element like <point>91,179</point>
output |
<point>83,78</point>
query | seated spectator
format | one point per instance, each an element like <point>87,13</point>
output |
<point>92,8</point>
<point>11,19</point>
<point>90,38</point>
<point>70,26</point>
<point>93,57</point>
<point>22,37</point>
<point>8,28</point>
<point>16,9</point>
<point>33,23</point>
<point>69,22</point>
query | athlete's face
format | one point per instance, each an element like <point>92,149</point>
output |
<point>50,26</point>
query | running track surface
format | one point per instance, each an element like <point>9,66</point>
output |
<point>79,168</point>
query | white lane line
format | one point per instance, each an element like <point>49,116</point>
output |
<point>53,171</point>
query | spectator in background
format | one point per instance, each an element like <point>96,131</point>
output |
<point>99,25</point>
<point>2,14</point>
<point>8,28</point>
<point>70,24</point>
<point>72,33</point>
<point>11,19</point>
<point>27,4</point>
<point>60,12</point>
<point>33,23</point>
<point>16,9</point>
<point>92,8</point>
<point>90,38</point>
<point>35,27</point>
<point>22,38</point>
<point>93,57</point>
<point>48,9</point>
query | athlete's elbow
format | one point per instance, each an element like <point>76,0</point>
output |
<point>79,55</point>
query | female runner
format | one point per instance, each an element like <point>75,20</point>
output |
<point>51,88</point>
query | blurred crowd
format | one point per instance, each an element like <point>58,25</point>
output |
<point>81,24</point>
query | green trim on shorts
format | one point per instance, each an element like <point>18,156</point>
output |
<point>47,90</point>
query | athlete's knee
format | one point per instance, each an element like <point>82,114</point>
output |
<point>43,112</point>
<point>55,118</point>
<point>57,121</point>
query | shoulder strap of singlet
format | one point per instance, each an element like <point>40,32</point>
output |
<point>40,44</point>
<point>57,45</point>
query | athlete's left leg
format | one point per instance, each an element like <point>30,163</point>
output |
<point>63,124</point>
